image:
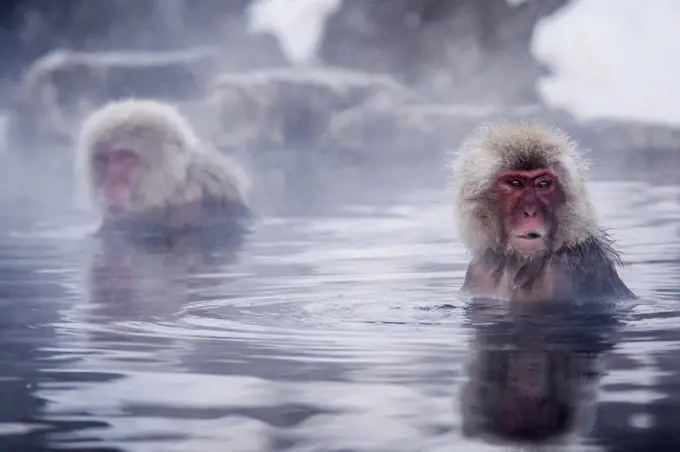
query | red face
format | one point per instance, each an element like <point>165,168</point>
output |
<point>116,169</point>
<point>527,201</point>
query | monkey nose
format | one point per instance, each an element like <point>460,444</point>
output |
<point>530,211</point>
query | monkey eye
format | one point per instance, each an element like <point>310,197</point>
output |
<point>543,184</point>
<point>516,183</point>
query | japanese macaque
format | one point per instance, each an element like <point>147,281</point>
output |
<point>525,215</point>
<point>150,174</point>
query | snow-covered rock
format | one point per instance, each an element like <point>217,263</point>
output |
<point>288,107</point>
<point>59,89</point>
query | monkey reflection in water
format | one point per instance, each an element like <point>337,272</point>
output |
<point>152,177</point>
<point>533,370</point>
<point>126,281</point>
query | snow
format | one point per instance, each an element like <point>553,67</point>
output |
<point>613,58</point>
<point>298,24</point>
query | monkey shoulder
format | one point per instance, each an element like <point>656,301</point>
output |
<point>215,189</point>
<point>480,278</point>
<point>590,269</point>
<point>216,177</point>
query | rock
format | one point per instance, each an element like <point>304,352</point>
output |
<point>288,108</point>
<point>60,88</point>
<point>459,51</point>
<point>32,28</point>
<point>630,147</point>
<point>426,132</point>
<point>619,136</point>
<point>414,130</point>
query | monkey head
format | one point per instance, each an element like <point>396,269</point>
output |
<point>526,203</point>
<point>135,155</point>
<point>520,190</point>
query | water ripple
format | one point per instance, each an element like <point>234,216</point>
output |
<point>336,332</point>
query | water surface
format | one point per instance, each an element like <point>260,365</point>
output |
<point>336,331</point>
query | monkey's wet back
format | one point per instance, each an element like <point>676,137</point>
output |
<point>339,332</point>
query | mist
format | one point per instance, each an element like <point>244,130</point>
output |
<point>449,65</point>
<point>335,320</point>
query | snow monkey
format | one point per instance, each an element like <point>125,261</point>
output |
<point>525,215</point>
<point>149,173</point>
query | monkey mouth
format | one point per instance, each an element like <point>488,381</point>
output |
<point>533,235</point>
<point>528,243</point>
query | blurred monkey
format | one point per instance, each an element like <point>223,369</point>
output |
<point>149,173</point>
<point>526,216</point>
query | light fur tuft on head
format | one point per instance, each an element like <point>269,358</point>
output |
<point>180,168</point>
<point>508,145</point>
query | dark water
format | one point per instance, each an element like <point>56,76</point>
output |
<point>337,331</point>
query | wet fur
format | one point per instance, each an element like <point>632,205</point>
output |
<point>581,260</point>
<point>185,182</point>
